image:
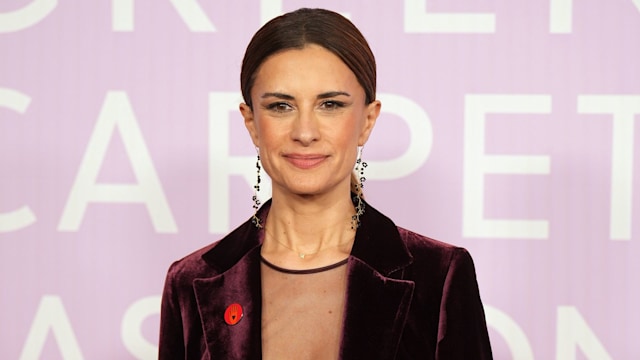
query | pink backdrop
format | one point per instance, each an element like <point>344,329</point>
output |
<point>508,127</point>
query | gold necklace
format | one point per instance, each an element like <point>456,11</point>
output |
<point>302,255</point>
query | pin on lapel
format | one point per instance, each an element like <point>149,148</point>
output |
<point>233,314</point>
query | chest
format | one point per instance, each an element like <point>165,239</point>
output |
<point>302,314</point>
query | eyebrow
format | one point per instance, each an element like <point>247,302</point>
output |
<point>331,94</point>
<point>277,95</point>
<point>325,95</point>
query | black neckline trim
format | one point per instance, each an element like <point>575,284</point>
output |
<point>305,271</point>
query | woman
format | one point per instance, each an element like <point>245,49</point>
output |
<point>317,273</point>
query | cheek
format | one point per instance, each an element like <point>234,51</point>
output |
<point>265,133</point>
<point>351,130</point>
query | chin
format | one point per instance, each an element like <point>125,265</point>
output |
<point>310,186</point>
<point>301,189</point>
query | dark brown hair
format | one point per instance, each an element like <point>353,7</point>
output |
<point>305,26</point>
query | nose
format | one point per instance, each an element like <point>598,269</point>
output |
<point>305,129</point>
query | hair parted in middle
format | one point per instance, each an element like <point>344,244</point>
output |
<point>306,26</point>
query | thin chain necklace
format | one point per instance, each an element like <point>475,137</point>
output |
<point>302,255</point>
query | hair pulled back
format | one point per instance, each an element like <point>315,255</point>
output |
<point>305,26</point>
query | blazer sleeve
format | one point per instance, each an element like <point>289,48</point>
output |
<point>171,344</point>
<point>462,328</point>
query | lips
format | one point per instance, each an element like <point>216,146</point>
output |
<point>305,161</point>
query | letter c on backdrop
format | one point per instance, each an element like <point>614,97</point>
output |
<point>27,16</point>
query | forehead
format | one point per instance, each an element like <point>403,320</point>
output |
<point>311,68</point>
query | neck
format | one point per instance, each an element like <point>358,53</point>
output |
<point>310,229</point>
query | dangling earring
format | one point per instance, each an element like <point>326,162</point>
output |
<point>256,188</point>
<point>359,195</point>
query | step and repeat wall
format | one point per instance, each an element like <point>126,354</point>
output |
<point>510,128</point>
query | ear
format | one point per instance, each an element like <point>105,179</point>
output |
<point>250,123</point>
<point>371,115</point>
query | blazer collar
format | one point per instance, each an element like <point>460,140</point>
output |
<point>377,243</point>
<point>214,295</point>
<point>375,313</point>
<point>377,298</point>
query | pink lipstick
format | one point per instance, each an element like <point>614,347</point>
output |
<point>305,161</point>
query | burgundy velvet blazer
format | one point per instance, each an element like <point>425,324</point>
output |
<point>408,297</point>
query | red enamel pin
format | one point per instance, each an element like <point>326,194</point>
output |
<point>233,314</point>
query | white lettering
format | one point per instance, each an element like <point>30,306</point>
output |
<point>420,141</point>
<point>193,15</point>
<point>574,332</point>
<point>51,315</point>
<point>417,20</point>
<point>27,16</point>
<point>269,9</point>
<point>511,332</point>
<point>122,18</point>
<point>477,163</point>
<point>623,108</point>
<point>117,114</point>
<point>131,328</point>
<point>222,165</point>
<point>23,216</point>
<point>560,16</point>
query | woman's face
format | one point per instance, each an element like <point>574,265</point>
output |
<point>308,118</point>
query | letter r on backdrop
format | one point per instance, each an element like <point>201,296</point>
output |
<point>222,165</point>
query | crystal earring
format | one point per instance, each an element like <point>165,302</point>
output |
<point>359,195</point>
<point>256,189</point>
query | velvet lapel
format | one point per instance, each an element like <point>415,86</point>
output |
<point>378,300</point>
<point>235,262</point>
<point>240,284</point>
<point>375,313</point>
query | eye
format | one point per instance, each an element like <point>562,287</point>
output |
<point>279,107</point>
<point>331,105</point>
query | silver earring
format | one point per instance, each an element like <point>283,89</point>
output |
<point>359,195</point>
<point>256,202</point>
